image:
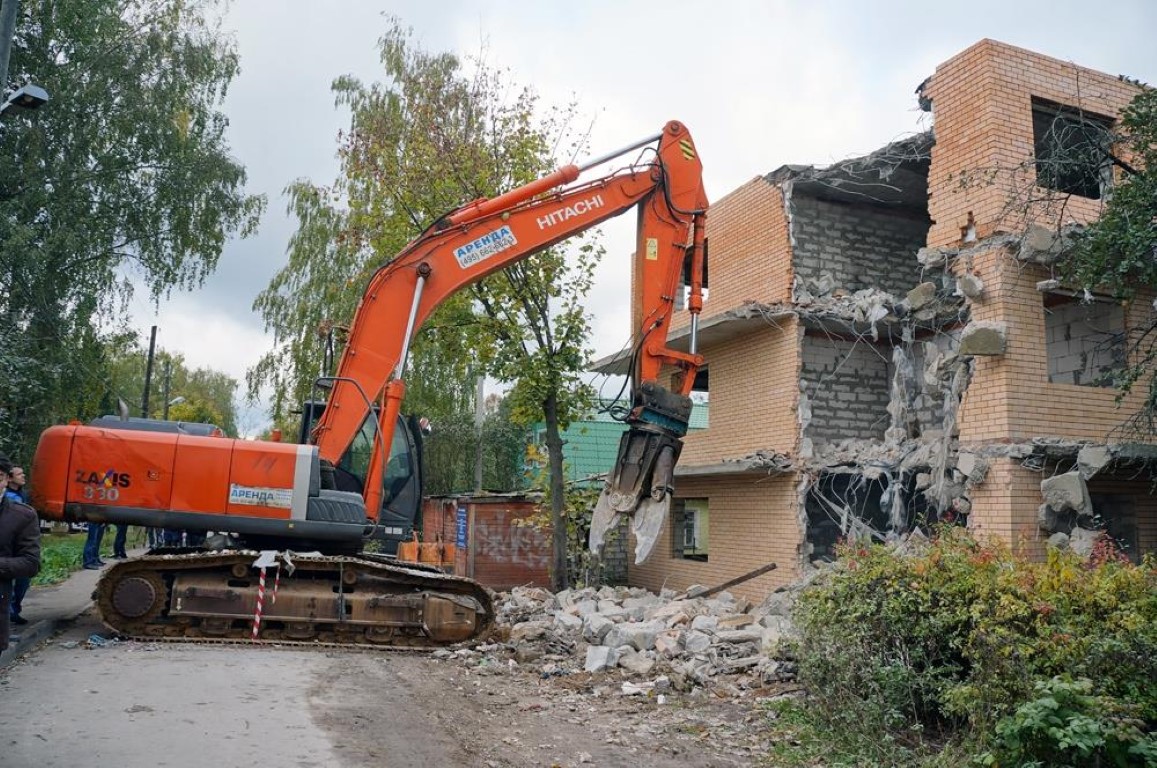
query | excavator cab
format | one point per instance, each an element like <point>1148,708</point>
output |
<point>402,478</point>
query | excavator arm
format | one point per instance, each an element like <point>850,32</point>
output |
<point>487,235</point>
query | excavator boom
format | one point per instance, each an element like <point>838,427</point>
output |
<point>487,235</point>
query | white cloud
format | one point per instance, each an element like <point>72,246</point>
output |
<point>759,84</point>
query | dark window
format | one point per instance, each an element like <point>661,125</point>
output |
<point>1072,149</point>
<point>689,524</point>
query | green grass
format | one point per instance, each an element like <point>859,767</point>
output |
<point>63,553</point>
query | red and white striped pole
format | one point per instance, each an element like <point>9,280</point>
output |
<point>260,605</point>
<point>276,584</point>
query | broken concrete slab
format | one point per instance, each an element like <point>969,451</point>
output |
<point>984,339</point>
<point>1092,459</point>
<point>970,286</point>
<point>567,621</point>
<point>929,257</point>
<point>921,296</point>
<point>1048,519</point>
<point>1059,541</point>
<point>1044,245</point>
<point>600,657</point>
<point>1067,492</point>
<point>1082,540</point>
<point>595,627</point>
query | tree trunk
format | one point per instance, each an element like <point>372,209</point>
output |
<point>559,576</point>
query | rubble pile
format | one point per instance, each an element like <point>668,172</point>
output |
<point>650,643</point>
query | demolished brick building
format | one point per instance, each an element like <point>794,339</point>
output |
<point>887,344</point>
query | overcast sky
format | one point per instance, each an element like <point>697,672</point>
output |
<point>759,84</point>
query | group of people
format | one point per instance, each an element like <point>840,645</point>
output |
<point>19,547</point>
<point>92,559</point>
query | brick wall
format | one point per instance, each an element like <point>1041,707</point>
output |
<point>1011,397</point>
<point>1005,505</point>
<point>752,523</point>
<point>982,106</point>
<point>848,383</point>
<point>749,252</point>
<point>754,396</point>
<point>861,246</point>
<point>499,552</point>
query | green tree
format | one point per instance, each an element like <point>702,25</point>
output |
<point>431,138</point>
<point>202,394</point>
<point>1118,252</point>
<point>123,180</point>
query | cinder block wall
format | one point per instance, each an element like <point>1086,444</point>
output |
<point>848,383</point>
<point>752,522</point>
<point>1080,340</point>
<point>860,246</point>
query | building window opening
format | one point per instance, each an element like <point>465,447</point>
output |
<point>1085,341</point>
<point>1071,149</point>
<point>689,529</point>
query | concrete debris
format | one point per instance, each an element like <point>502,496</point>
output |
<point>653,642</point>
<point>922,295</point>
<point>1059,541</point>
<point>985,339</point>
<point>1048,519</point>
<point>1045,245</point>
<point>970,286</point>
<point>1044,286</point>
<point>1092,459</point>
<point>934,257</point>
<point>1082,541</point>
<point>1067,492</point>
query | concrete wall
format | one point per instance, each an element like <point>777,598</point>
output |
<point>861,246</point>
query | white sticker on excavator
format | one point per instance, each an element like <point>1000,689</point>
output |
<point>260,497</point>
<point>484,247</point>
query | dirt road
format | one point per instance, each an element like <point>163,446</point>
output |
<point>176,705</point>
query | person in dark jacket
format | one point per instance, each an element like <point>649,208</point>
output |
<point>15,491</point>
<point>19,547</point>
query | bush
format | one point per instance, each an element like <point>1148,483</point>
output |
<point>1065,725</point>
<point>944,643</point>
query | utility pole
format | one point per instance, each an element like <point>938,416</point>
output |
<point>168,382</point>
<point>479,420</point>
<point>7,29</point>
<point>149,374</point>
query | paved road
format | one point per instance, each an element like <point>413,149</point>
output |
<point>178,706</point>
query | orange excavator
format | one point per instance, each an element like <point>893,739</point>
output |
<point>307,510</point>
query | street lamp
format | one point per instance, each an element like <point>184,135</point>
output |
<point>175,401</point>
<point>25,97</point>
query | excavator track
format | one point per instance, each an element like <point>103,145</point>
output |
<point>328,601</point>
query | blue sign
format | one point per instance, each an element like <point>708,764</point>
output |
<point>461,539</point>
